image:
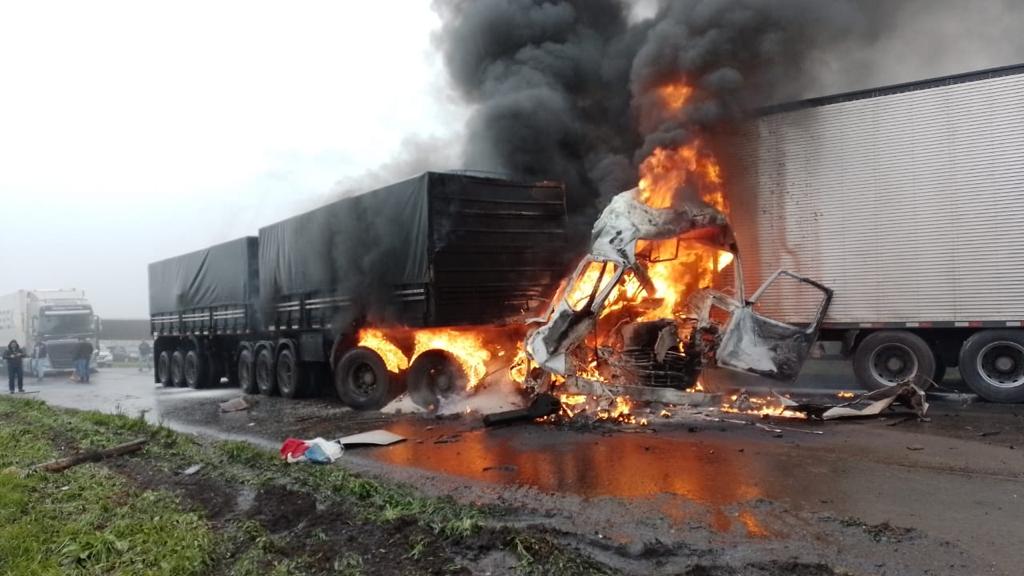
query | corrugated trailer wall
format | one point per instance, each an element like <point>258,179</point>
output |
<point>908,203</point>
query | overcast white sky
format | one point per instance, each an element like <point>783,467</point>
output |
<point>132,131</point>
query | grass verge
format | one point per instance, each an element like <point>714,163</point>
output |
<point>244,513</point>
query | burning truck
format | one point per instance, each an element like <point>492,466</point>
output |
<point>421,285</point>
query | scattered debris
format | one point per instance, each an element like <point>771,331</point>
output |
<point>61,464</point>
<point>448,439</point>
<point>543,405</point>
<point>990,433</point>
<point>503,468</point>
<point>192,470</point>
<point>235,405</point>
<point>868,404</point>
<point>371,438</point>
<point>317,450</point>
<point>915,447</point>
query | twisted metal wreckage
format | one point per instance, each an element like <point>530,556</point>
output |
<point>661,360</point>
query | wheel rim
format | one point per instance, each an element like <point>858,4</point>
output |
<point>284,373</point>
<point>441,380</point>
<point>190,369</point>
<point>362,380</point>
<point>245,374</point>
<point>175,371</point>
<point>1001,364</point>
<point>893,364</point>
<point>263,374</point>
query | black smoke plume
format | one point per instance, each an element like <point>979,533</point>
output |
<point>566,89</point>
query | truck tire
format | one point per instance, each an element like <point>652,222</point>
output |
<point>289,375</point>
<point>433,376</point>
<point>265,378</point>
<point>163,368</point>
<point>890,357</point>
<point>247,372</point>
<point>362,379</point>
<point>197,370</point>
<point>178,368</point>
<point>992,364</point>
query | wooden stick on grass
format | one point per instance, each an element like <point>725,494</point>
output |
<point>61,464</point>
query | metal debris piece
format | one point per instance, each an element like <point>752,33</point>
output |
<point>371,438</point>
<point>235,405</point>
<point>191,470</point>
<point>543,405</point>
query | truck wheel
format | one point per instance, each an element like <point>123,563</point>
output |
<point>163,368</point>
<point>433,376</point>
<point>891,357</point>
<point>178,368</point>
<point>265,379</point>
<point>197,370</point>
<point>992,364</point>
<point>289,376</point>
<point>247,372</point>
<point>362,380</point>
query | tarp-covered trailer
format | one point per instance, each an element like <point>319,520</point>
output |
<point>907,201</point>
<point>437,250</point>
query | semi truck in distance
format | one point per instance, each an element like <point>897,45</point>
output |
<point>282,312</point>
<point>907,201</point>
<point>58,318</point>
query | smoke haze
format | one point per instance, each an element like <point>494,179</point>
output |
<point>567,89</point>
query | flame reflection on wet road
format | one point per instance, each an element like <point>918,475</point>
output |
<point>624,465</point>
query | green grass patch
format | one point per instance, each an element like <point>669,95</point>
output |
<point>91,520</point>
<point>86,520</point>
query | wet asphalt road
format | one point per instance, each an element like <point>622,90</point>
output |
<point>952,490</point>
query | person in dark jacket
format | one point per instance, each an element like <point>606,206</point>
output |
<point>83,354</point>
<point>15,374</point>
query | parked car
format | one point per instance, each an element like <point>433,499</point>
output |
<point>119,353</point>
<point>103,359</point>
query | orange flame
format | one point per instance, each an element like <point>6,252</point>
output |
<point>375,340</point>
<point>758,406</point>
<point>467,346</point>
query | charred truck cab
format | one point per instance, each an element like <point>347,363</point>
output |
<point>637,337</point>
<point>281,313</point>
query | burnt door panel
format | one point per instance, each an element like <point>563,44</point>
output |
<point>760,345</point>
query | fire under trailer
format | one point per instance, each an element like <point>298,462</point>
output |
<point>907,201</point>
<point>280,313</point>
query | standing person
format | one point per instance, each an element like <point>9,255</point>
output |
<point>13,356</point>
<point>144,358</point>
<point>83,353</point>
<point>39,360</point>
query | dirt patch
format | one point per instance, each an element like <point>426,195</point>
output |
<point>198,491</point>
<point>279,509</point>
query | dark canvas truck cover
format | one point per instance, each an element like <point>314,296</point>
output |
<point>437,249</point>
<point>221,275</point>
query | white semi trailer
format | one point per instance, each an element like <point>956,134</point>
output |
<point>907,201</point>
<point>60,318</point>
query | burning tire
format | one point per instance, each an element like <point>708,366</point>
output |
<point>266,380</point>
<point>289,375</point>
<point>178,368</point>
<point>992,364</point>
<point>891,357</point>
<point>362,379</point>
<point>163,368</point>
<point>197,370</point>
<point>247,372</point>
<point>433,376</point>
